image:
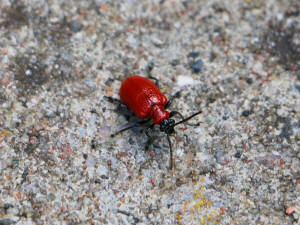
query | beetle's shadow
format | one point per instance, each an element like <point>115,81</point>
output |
<point>123,111</point>
<point>140,131</point>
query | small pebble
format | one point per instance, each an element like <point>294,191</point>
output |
<point>227,127</point>
<point>51,196</point>
<point>75,25</point>
<point>102,170</point>
<point>238,155</point>
<point>33,59</point>
<point>98,181</point>
<point>94,144</point>
<point>193,54</point>
<point>7,221</point>
<point>184,80</point>
<point>296,216</point>
<point>225,117</point>
<point>214,80</point>
<point>179,69</point>
<point>28,72</point>
<point>245,113</point>
<point>104,177</point>
<point>82,131</point>
<point>7,206</point>
<point>131,141</point>
<point>249,81</point>
<point>257,67</point>
<point>90,161</point>
<point>272,191</point>
<point>289,210</point>
<point>5,80</point>
<point>222,157</point>
<point>197,66</point>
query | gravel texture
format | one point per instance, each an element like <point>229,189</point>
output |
<point>237,61</point>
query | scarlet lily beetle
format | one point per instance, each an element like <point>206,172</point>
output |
<point>144,99</point>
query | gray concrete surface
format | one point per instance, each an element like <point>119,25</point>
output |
<point>59,165</point>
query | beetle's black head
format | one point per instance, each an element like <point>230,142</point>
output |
<point>167,126</point>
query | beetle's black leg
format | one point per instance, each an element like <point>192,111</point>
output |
<point>176,95</point>
<point>148,128</point>
<point>156,80</point>
<point>148,70</point>
<point>115,100</point>
<point>149,142</point>
<point>150,139</point>
<point>137,124</point>
<point>173,113</point>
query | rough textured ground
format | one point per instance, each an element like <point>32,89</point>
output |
<point>238,61</point>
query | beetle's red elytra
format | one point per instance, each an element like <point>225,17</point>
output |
<point>144,99</point>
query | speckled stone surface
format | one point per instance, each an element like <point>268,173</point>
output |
<point>237,61</point>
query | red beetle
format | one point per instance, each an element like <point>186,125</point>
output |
<point>144,99</point>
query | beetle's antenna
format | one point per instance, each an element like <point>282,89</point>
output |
<point>186,119</point>
<point>171,152</point>
<point>137,124</point>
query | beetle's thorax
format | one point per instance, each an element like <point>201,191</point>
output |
<point>158,113</point>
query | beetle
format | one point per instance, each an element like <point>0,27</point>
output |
<point>144,98</point>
